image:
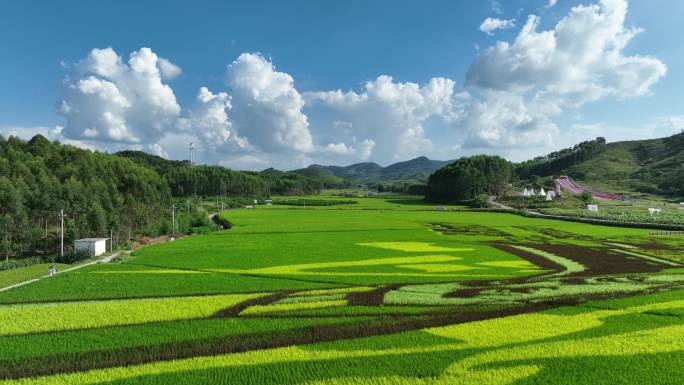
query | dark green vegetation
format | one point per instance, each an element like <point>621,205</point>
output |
<point>558,161</point>
<point>130,193</point>
<point>469,177</point>
<point>653,166</point>
<point>185,179</point>
<point>97,191</point>
<point>386,291</point>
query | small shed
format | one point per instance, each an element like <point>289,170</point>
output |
<point>91,246</point>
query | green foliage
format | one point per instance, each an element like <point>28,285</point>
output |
<point>559,160</point>
<point>326,177</point>
<point>586,197</point>
<point>645,166</point>
<point>469,177</point>
<point>185,179</point>
<point>96,191</point>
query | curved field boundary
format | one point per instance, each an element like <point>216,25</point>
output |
<point>44,318</point>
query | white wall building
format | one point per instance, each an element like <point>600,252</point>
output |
<point>92,246</point>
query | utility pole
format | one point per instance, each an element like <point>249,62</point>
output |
<point>46,235</point>
<point>173,219</point>
<point>61,246</point>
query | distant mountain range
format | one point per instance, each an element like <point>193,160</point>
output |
<point>652,166</point>
<point>369,173</point>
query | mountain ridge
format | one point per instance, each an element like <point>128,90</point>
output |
<point>413,170</point>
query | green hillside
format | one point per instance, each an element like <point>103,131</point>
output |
<point>414,170</point>
<point>654,166</point>
<point>185,179</point>
<point>327,178</point>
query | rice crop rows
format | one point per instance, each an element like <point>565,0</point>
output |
<point>383,291</point>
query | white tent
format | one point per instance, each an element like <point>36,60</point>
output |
<point>593,208</point>
<point>542,193</point>
<point>550,195</point>
<point>653,211</point>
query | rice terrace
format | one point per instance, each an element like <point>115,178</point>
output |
<point>346,192</point>
<point>375,292</point>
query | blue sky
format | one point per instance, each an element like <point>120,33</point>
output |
<point>276,104</point>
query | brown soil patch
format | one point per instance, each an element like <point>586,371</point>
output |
<point>234,311</point>
<point>530,257</point>
<point>470,229</point>
<point>145,241</point>
<point>370,298</point>
<point>470,292</point>
<point>599,261</point>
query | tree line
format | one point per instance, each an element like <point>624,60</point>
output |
<point>130,195</point>
<point>559,160</point>
<point>468,178</point>
<point>185,179</point>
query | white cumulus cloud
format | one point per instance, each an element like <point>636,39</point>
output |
<point>388,113</point>
<point>579,61</point>
<point>489,25</point>
<point>112,101</point>
<point>267,108</point>
<point>541,74</point>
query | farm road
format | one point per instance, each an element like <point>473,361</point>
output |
<point>106,259</point>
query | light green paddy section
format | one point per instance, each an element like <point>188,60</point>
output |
<point>425,263</point>
<point>290,307</point>
<point>648,257</point>
<point>155,271</point>
<point>412,246</point>
<point>484,352</point>
<point>569,265</point>
<point>36,318</point>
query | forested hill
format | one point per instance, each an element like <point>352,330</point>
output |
<point>653,166</point>
<point>185,179</point>
<point>130,192</point>
<point>97,191</point>
<point>414,170</point>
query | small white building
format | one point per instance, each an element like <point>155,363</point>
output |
<point>654,211</point>
<point>91,246</point>
<point>593,208</point>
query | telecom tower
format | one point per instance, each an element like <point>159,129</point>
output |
<point>192,147</point>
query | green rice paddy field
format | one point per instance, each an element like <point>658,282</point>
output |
<point>383,291</point>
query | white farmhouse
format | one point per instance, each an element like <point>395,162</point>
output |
<point>91,246</point>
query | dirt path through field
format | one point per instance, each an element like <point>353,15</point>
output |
<point>106,259</point>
